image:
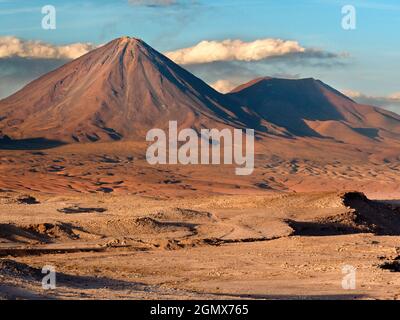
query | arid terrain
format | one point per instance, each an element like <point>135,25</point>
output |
<point>77,193</point>
<point>116,227</point>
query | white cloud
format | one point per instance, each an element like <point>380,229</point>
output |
<point>352,93</point>
<point>14,47</point>
<point>234,50</point>
<point>395,96</point>
<point>391,102</point>
<point>224,86</point>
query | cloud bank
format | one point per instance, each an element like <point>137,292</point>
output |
<point>234,50</point>
<point>227,63</point>
<point>22,61</point>
<point>14,47</point>
<point>391,102</point>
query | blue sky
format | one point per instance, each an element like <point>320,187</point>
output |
<point>367,61</point>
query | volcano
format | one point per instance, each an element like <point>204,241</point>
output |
<point>122,90</point>
<point>118,91</point>
<point>310,108</point>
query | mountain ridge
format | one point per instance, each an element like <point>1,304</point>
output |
<point>121,90</point>
<point>301,106</point>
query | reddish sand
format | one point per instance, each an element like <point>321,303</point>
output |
<point>116,227</point>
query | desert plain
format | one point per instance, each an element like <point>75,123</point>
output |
<point>77,193</point>
<point>115,227</point>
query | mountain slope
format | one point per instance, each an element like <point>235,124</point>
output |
<point>125,88</point>
<point>310,108</point>
<point>118,91</point>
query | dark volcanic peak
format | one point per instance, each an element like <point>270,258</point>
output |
<point>250,84</point>
<point>309,107</point>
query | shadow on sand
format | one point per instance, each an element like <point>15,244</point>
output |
<point>291,297</point>
<point>23,271</point>
<point>29,144</point>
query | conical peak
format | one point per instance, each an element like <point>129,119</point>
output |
<point>127,39</point>
<point>128,44</point>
